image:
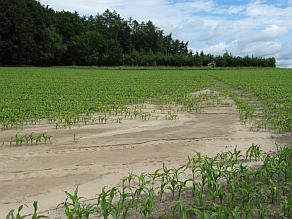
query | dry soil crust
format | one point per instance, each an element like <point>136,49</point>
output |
<point>107,152</point>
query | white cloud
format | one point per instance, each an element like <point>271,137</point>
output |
<point>167,26</point>
<point>218,49</point>
<point>269,34</point>
<point>235,9</point>
<point>196,6</point>
<point>211,35</point>
<point>256,9</point>
<point>284,62</point>
<point>282,53</point>
<point>194,23</point>
<point>241,27</point>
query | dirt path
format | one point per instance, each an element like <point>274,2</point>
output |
<point>107,152</point>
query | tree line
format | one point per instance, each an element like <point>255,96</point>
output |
<point>34,34</point>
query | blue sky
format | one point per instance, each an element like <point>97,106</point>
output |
<point>259,28</point>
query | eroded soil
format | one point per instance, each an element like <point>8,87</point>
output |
<point>105,153</point>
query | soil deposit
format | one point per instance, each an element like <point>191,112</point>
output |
<point>105,153</point>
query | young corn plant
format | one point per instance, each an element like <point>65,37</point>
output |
<point>253,151</point>
<point>127,205</point>
<point>75,138</point>
<point>137,194</point>
<point>75,209</point>
<point>104,203</point>
<point>286,207</point>
<point>26,137</point>
<point>34,215</point>
<point>215,192</point>
<point>204,174</point>
<point>237,154</point>
<point>17,139</point>
<point>46,137</point>
<point>247,189</point>
<point>182,186</point>
<point>147,205</point>
<point>163,184</point>
<point>173,186</point>
<point>142,179</point>
<point>130,178</point>
<point>35,207</point>
<point>11,213</point>
<point>31,138</point>
<point>156,174</point>
<point>38,139</point>
<point>274,190</point>
<point>116,210</point>
<point>174,210</point>
<point>183,210</point>
<point>262,210</point>
<point>176,172</point>
<point>201,197</point>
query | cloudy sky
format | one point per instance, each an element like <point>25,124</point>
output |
<point>243,27</point>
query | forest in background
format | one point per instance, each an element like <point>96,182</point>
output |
<point>34,34</point>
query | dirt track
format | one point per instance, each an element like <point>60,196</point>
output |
<point>107,152</point>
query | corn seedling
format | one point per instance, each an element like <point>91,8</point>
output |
<point>127,205</point>
<point>137,194</point>
<point>173,186</point>
<point>156,174</point>
<point>142,179</point>
<point>75,207</point>
<point>11,213</point>
<point>147,205</point>
<point>74,137</point>
<point>286,207</point>
<point>17,139</point>
<point>35,216</point>
<point>174,209</point>
<point>130,178</point>
<point>105,199</point>
<point>183,209</point>
<point>163,184</point>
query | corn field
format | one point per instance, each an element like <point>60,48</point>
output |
<point>224,186</point>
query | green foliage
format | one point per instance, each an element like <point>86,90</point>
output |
<point>34,215</point>
<point>41,94</point>
<point>264,97</point>
<point>34,34</point>
<point>87,48</point>
<point>29,34</point>
<point>212,64</point>
<point>19,139</point>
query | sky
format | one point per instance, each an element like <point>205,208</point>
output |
<point>242,27</point>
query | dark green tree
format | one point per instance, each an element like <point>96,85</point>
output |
<point>86,49</point>
<point>124,37</point>
<point>70,25</point>
<point>221,61</point>
<point>108,24</point>
<point>113,55</point>
<point>17,32</point>
<point>52,47</point>
<point>29,34</point>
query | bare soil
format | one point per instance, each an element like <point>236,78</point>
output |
<point>105,153</point>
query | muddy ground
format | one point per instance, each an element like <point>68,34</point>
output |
<point>105,153</point>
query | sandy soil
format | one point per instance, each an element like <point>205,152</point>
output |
<point>107,152</point>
